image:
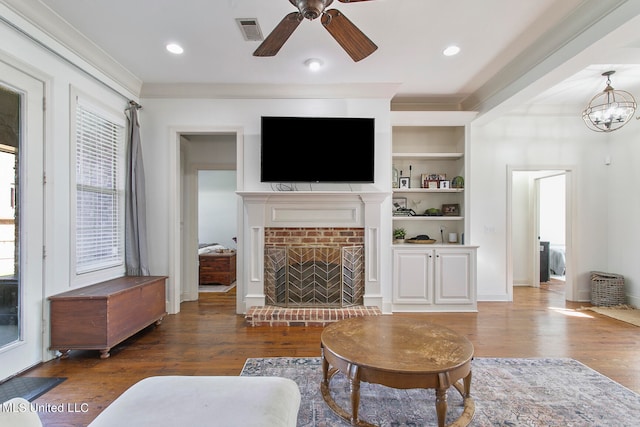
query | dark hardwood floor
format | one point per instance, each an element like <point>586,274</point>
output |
<point>208,338</point>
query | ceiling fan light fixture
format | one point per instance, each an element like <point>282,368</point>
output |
<point>451,50</point>
<point>610,109</point>
<point>313,64</point>
<point>312,9</point>
<point>175,48</point>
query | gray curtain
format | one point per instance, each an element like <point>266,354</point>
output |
<point>136,255</point>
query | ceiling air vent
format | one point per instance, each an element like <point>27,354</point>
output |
<point>250,29</point>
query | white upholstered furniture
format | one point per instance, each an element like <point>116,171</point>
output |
<point>17,412</point>
<point>205,401</point>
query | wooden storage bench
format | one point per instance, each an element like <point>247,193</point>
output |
<point>217,268</point>
<point>99,316</point>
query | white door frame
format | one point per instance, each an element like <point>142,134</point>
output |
<point>28,350</point>
<point>177,272</point>
<point>570,219</point>
<point>534,238</point>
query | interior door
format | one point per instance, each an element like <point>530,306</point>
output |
<point>21,278</point>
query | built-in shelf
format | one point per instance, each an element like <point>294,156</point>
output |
<point>420,151</point>
<point>428,156</point>
<point>429,148</point>
<point>427,218</point>
<point>428,190</point>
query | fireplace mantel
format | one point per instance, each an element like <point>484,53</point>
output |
<point>315,195</point>
<point>314,208</point>
<point>310,209</point>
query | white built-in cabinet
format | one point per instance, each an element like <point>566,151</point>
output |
<point>440,276</point>
<point>434,278</point>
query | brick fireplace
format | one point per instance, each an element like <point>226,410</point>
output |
<point>325,233</point>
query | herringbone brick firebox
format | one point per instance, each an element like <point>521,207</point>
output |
<point>314,267</point>
<point>312,276</point>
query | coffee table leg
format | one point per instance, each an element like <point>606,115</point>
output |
<point>325,368</point>
<point>441,397</point>
<point>354,381</point>
<point>467,385</point>
<point>441,405</point>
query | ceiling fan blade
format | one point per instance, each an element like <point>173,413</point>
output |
<point>352,40</point>
<point>274,41</point>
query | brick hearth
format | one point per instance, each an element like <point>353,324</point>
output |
<point>279,316</point>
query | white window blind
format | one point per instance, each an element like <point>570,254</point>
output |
<point>99,194</point>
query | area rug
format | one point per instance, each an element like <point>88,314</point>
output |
<point>29,388</point>
<point>216,288</point>
<point>625,313</point>
<point>507,392</point>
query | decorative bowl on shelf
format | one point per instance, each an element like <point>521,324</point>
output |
<point>422,238</point>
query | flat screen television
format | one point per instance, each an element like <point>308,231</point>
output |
<point>317,149</point>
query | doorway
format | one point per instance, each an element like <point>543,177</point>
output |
<point>535,216</point>
<point>202,155</point>
<point>551,230</point>
<point>21,210</point>
<point>217,229</point>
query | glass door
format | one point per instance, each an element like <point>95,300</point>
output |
<point>21,221</point>
<point>9,222</point>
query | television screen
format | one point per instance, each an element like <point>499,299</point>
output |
<point>317,149</point>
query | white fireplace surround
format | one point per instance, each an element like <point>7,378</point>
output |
<point>310,209</point>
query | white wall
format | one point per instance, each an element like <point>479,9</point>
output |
<point>623,208</point>
<point>521,228</point>
<point>211,159</point>
<point>603,235</point>
<point>217,200</point>
<point>552,210</point>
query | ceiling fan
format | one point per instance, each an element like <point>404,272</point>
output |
<point>352,40</point>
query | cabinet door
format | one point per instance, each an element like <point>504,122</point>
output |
<point>412,276</point>
<point>454,276</point>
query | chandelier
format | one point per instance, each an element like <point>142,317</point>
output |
<point>610,109</point>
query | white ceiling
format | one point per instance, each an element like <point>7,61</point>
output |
<point>546,46</point>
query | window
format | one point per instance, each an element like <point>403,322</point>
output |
<point>99,192</point>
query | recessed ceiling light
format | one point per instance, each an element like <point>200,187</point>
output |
<point>451,50</point>
<point>175,48</point>
<point>314,64</point>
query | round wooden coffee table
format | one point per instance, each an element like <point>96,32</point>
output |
<point>398,352</point>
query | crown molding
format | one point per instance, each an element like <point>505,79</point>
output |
<point>47,28</point>
<point>269,91</point>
